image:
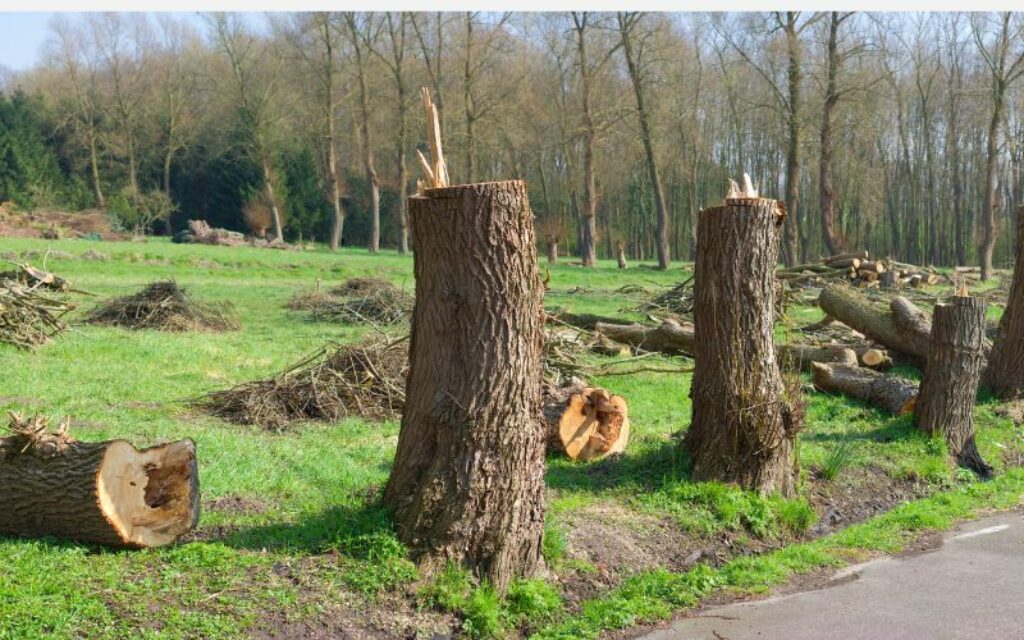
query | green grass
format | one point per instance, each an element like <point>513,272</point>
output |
<point>318,536</point>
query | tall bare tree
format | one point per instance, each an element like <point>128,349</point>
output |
<point>1004,57</point>
<point>633,55</point>
<point>362,34</point>
<point>256,72</point>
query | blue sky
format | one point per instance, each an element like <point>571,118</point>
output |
<point>23,35</point>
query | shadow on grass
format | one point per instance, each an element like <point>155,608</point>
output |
<point>646,468</point>
<point>336,528</point>
<point>890,430</point>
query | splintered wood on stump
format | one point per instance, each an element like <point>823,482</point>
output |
<point>1006,364</point>
<point>950,384</point>
<point>742,428</point>
<point>467,486</point>
<point>108,493</point>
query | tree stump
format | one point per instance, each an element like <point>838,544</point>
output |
<point>742,429</point>
<point>1006,364</point>
<point>108,493</point>
<point>467,485</point>
<point>950,385</point>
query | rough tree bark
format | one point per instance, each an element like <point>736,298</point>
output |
<point>1006,367</point>
<point>950,384</point>
<point>468,480</point>
<point>108,493</point>
<point>742,428</point>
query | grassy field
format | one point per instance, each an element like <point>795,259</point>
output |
<point>293,541</point>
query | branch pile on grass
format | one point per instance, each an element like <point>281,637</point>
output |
<point>163,305</point>
<point>29,315</point>
<point>677,301</point>
<point>366,380</point>
<point>356,301</point>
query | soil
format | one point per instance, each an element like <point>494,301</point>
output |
<point>56,224</point>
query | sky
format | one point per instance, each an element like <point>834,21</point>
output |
<point>23,36</point>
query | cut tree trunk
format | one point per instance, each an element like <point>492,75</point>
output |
<point>895,395</point>
<point>950,384</point>
<point>467,486</point>
<point>108,493</point>
<point>553,250</point>
<point>1006,369</point>
<point>622,258</point>
<point>742,430</point>
<point>900,329</point>
<point>585,423</point>
<point>673,338</point>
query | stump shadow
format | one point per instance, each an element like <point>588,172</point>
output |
<point>330,529</point>
<point>648,467</point>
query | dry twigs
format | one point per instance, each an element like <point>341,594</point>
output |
<point>29,317</point>
<point>165,306</point>
<point>365,380</point>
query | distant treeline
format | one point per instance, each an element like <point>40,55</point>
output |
<point>897,133</point>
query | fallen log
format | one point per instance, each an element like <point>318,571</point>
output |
<point>858,255</point>
<point>673,338</point>
<point>895,395</point>
<point>108,493</point>
<point>585,423</point>
<point>906,334</point>
<point>669,337</point>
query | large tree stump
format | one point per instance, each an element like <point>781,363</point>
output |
<point>950,384</point>
<point>742,429</point>
<point>1006,365</point>
<point>468,481</point>
<point>896,395</point>
<point>108,493</point>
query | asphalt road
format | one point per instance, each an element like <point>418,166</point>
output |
<point>972,586</point>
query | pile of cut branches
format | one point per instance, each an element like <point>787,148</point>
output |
<point>356,301</point>
<point>29,313</point>
<point>366,380</point>
<point>676,301</point>
<point>163,305</point>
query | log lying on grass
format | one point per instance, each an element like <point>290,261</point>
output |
<point>108,493</point>
<point>902,328</point>
<point>896,395</point>
<point>585,423</point>
<point>673,338</point>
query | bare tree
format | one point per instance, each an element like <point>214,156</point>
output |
<point>397,27</point>
<point>178,103</point>
<point>627,26</point>
<point>1004,58</point>
<point>362,35</point>
<point>81,68</point>
<point>255,71</point>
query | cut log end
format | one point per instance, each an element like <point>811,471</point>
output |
<point>150,497</point>
<point>591,424</point>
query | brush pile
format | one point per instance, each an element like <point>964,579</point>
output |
<point>356,301</point>
<point>858,269</point>
<point>30,314</point>
<point>677,301</point>
<point>164,306</point>
<point>366,380</point>
<point>200,232</point>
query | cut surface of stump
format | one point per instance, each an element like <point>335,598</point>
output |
<point>467,485</point>
<point>742,429</point>
<point>108,493</point>
<point>586,423</point>
<point>950,384</point>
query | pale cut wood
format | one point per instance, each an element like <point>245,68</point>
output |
<point>859,255</point>
<point>108,493</point>
<point>586,423</point>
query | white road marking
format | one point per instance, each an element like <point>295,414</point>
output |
<point>982,532</point>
